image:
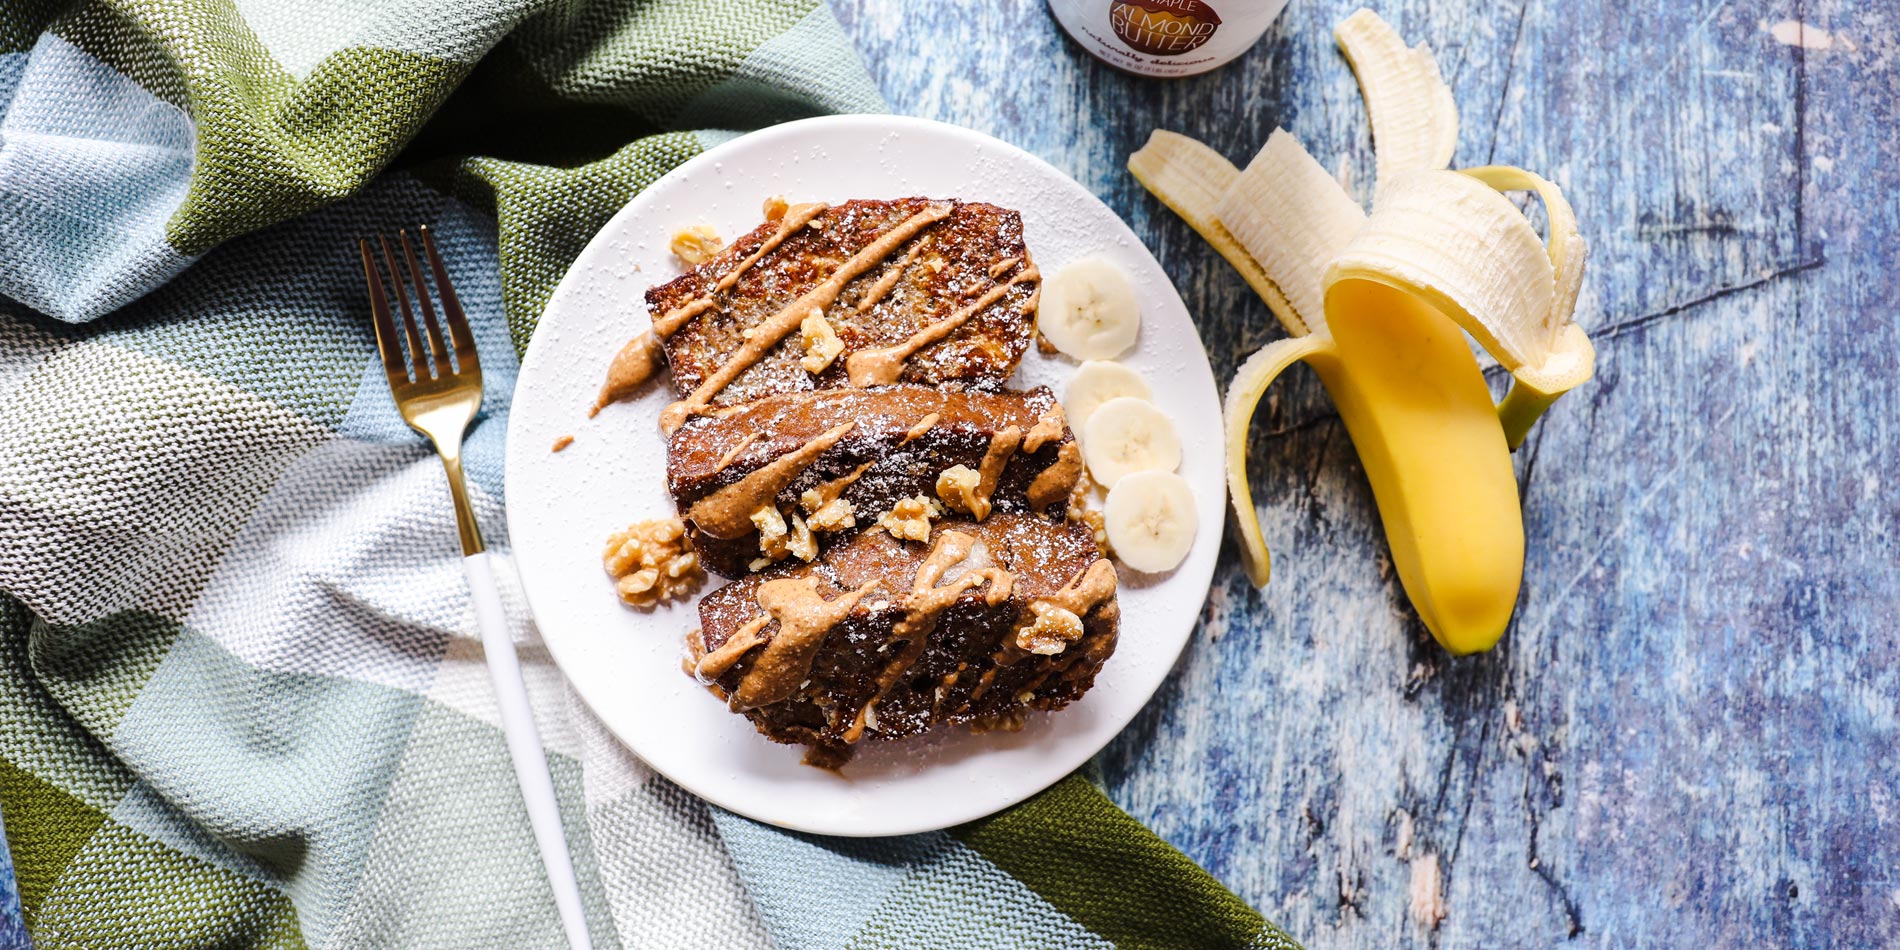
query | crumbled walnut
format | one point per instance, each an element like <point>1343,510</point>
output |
<point>695,244</point>
<point>801,543</point>
<point>910,518</point>
<point>775,208</point>
<point>774,537</point>
<point>957,487</point>
<point>838,515</point>
<point>821,342</point>
<point>1050,630</point>
<point>1098,526</point>
<point>1079,510</point>
<point>652,561</point>
<point>1084,486</point>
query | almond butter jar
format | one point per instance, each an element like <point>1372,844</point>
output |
<point>1166,37</point>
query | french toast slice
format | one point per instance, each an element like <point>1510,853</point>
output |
<point>829,462</point>
<point>883,638</point>
<point>911,290</point>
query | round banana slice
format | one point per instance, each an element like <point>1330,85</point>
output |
<point>1151,520</point>
<point>1088,310</point>
<point>1098,381</point>
<point>1126,435</point>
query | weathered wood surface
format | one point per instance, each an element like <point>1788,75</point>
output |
<point>1689,737</point>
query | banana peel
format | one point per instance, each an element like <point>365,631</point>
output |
<point>1379,306</point>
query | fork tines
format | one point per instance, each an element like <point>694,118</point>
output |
<point>434,362</point>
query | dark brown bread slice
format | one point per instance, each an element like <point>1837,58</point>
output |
<point>902,437</point>
<point>945,267</point>
<point>881,648</point>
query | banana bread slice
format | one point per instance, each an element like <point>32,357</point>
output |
<point>884,638</point>
<point>862,293</point>
<point>787,475</point>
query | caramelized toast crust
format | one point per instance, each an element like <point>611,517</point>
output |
<point>903,653</point>
<point>898,442</point>
<point>922,282</point>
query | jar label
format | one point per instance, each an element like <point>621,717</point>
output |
<point>1163,27</point>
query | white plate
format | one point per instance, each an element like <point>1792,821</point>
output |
<point>561,506</point>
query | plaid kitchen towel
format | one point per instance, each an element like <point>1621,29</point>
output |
<point>242,698</point>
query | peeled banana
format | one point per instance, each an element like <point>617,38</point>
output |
<point>1380,305</point>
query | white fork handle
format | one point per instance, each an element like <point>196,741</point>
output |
<point>524,747</point>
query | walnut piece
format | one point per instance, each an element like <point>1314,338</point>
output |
<point>695,244</point>
<point>838,515</point>
<point>909,519</point>
<point>1050,630</point>
<point>1079,510</point>
<point>957,487</point>
<point>774,535</point>
<point>651,561</point>
<point>779,540</point>
<point>801,543</point>
<point>1098,526</point>
<point>821,342</point>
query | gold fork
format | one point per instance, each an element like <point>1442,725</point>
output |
<point>438,390</point>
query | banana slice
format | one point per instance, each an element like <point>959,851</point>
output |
<point>1088,310</point>
<point>1126,435</point>
<point>1097,382</point>
<point>1151,521</point>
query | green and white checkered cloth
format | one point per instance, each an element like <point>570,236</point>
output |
<point>244,703</point>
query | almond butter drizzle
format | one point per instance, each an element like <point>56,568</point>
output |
<point>828,492</point>
<point>1048,428</point>
<point>670,322</point>
<point>733,453</point>
<point>727,513</point>
<point>562,442</point>
<point>795,217</point>
<point>641,357</point>
<point>1081,595</point>
<point>923,425</point>
<point>1002,267</point>
<point>1086,591</point>
<point>882,366</point>
<point>632,367</point>
<point>888,280</point>
<point>1054,483</point>
<point>780,325</point>
<point>990,470</point>
<point>804,617</point>
<point>925,605</point>
<point>713,665</point>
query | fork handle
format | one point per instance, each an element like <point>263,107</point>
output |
<point>524,747</point>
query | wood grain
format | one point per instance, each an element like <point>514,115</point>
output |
<point>1689,737</point>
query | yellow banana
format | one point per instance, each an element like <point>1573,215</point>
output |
<point>1379,306</point>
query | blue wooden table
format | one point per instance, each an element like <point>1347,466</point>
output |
<point>1689,735</point>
